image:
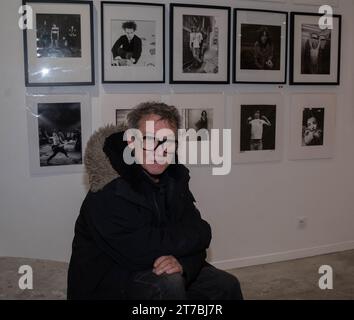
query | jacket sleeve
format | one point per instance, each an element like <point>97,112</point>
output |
<point>193,263</point>
<point>123,233</point>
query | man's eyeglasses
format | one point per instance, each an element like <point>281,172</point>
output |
<point>151,143</point>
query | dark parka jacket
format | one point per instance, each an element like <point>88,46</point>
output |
<point>126,222</point>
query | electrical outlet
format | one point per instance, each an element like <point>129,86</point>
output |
<point>302,222</point>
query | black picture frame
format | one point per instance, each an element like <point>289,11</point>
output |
<point>160,73</point>
<point>90,54</point>
<point>208,79</point>
<point>316,77</point>
<point>283,51</point>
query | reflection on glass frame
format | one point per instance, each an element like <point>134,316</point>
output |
<point>260,46</point>
<point>58,51</point>
<point>133,47</point>
<point>312,126</point>
<point>257,127</point>
<point>59,127</point>
<point>315,52</point>
<point>199,44</point>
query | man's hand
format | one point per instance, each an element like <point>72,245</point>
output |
<point>167,264</point>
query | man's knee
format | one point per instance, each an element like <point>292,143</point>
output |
<point>171,286</point>
<point>227,285</point>
<point>231,286</point>
<point>150,286</point>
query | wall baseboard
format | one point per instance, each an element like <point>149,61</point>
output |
<point>283,256</point>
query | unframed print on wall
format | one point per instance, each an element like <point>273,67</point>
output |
<point>115,107</point>
<point>199,111</point>
<point>257,127</point>
<point>59,127</point>
<point>202,112</point>
<point>312,126</point>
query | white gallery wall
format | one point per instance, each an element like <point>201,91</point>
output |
<point>254,211</point>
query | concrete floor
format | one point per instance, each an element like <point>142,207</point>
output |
<point>296,279</point>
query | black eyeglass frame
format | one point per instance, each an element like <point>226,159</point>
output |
<point>159,143</point>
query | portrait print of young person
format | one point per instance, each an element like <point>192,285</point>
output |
<point>200,44</point>
<point>258,127</point>
<point>127,49</point>
<point>316,50</point>
<point>260,47</point>
<point>312,124</point>
<point>139,234</point>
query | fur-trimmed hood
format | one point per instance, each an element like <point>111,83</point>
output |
<point>98,166</point>
<point>104,161</point>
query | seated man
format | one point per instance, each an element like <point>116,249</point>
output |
<point>127,49</point>
<point>139,234</point>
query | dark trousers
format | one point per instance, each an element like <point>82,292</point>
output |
<point>210,284</point>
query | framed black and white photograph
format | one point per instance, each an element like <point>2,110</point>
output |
<point>133,47</point>
<point>312,126</point>
<point>115,107</point>
<point>260,46</point>
<point>257,127</point>
<point>199,44</point>
<point>58,51</point>
<point>59,126</point>
<point>315,50</point>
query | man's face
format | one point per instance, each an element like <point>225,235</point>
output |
<point>257,115</point>
<point>129,33</point>
<point>152,160</point>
